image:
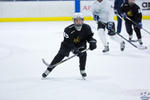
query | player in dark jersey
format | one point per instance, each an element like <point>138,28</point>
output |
<point>132,11</point>
<point>117,5</point>
<point>76,36</point>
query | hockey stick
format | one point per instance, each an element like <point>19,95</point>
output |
<point>140,48</point>
<point>133,23</point>
<point>51,66</point>
<point>137,25</point>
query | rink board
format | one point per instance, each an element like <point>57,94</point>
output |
<point>53,10</point>
<point>41,19</point>
<point>88,18</point>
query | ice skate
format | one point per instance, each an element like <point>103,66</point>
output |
<point>141,46</point>
<point>46,73</point>
<point>140,42</point>
<point>122,46</point>
<point>130,37</point>
<point>83,74</point>
<point>106,48</point>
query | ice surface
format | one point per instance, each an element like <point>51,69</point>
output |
<point>113,76</point>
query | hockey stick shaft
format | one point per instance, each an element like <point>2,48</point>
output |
<point>133,23</point>
<point>137,25</point>
<point>51,66</point>
<point>140,48</point>
<point>127,41</point>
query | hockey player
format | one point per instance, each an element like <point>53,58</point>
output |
<point>76,36</point>
<point>117,5</point>
<point>132,11</point>
<point>101,10</point>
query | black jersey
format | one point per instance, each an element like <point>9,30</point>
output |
<point>74,38</point>
<point>133,11</point>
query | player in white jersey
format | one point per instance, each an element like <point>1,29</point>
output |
<point>102,13</point>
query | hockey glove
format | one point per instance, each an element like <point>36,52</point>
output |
<point>140,25</point>
<point>77,51</point>
<point>96,17</point>
<point>124,15</point>
<point>92,44</point>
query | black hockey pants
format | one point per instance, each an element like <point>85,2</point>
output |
<point>129,29</point>
<point>65,52</point>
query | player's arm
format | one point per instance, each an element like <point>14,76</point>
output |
<point>68,39</point>
<point>115,4</point>
<point>122,10</point>
<point>138,14</point>
<point>90,39</point>
<point>115,7</point>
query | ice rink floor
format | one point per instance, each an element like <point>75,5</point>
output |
<point>113,76</point>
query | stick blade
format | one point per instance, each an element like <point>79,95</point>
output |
<point>141,47</point>
<point>45,62</point>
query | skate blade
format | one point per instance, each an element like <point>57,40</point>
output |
<point>43,78</point>
<point>84,78</point>
<point>142,47</point>
<point>133,40</point>
<point>106,53</point>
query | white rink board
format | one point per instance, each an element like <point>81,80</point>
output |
<point>51,8</point>
<point>36,9</point>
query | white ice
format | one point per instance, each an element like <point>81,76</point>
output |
<point>113,76</point>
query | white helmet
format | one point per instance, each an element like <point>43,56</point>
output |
<point>78,16</point>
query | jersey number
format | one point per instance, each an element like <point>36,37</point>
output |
<point>66,35</point>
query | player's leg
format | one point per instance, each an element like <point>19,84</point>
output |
<point>102,35</point>
<point>82,63</point>
<point>129,29</point>
<point>113,36</point>
<point>117,39</point>
<point>60,55</point>
<point>138,34</point>
<point>56,59</point>
<point>119,24</point>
